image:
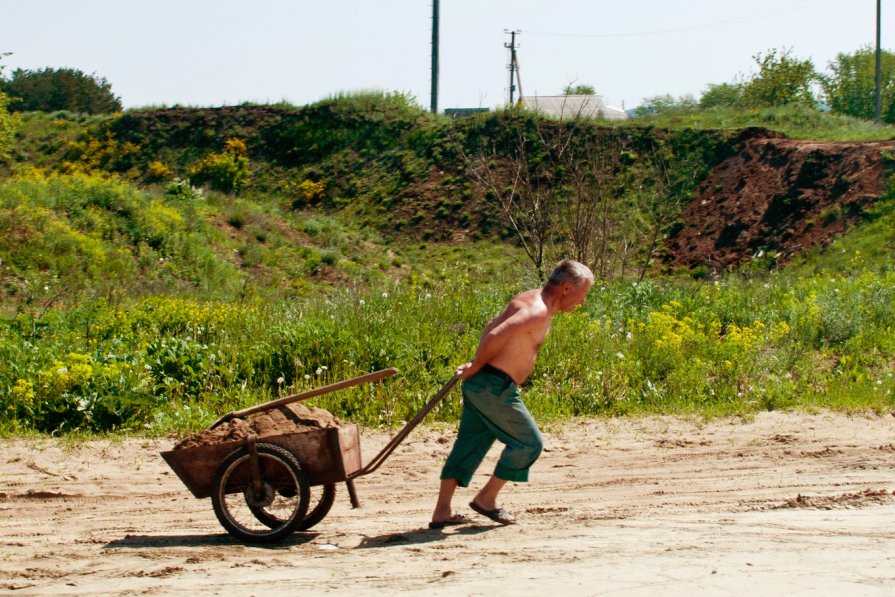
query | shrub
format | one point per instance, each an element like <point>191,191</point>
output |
<point>182,189</point>
<point>157,171</point>
<point>227,171</point>
<point>311,191</point>
<point>7,128</point>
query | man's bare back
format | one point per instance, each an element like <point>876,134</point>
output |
<point>527,319</point>
<point>511,340</point>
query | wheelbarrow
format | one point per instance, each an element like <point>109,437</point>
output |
<point>263,489</point>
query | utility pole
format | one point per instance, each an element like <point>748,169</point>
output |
<point>513,65</point>
<point>876,98</point>
<point>434,94</point>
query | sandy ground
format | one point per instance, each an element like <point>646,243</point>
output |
<point>790,504</point>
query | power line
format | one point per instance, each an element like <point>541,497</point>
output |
<point>712,25</point>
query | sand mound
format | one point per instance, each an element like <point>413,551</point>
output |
<point>845,500</point>
<point>292,418</point>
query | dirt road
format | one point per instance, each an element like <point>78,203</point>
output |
<point>789,504</point>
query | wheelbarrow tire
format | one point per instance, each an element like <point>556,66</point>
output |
<point>322,508</point>
<point>283,496</point>
<point>315,514</point>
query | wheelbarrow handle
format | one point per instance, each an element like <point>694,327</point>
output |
<point>341,385</point>
<point>410,426</point>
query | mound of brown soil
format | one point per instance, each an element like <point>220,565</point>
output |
<point>776,195</point>
<point>291,418</point>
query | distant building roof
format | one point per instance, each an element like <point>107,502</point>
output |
<point>571,106</point>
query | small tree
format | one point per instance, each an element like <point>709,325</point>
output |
<point>50,89</point>
<point>579,90</point>
<point>596,224</point>
<point>724,95</point>
<point>570,189</point>
<point>781,80</point>
<point>850,86</point>
<point>526,180</point>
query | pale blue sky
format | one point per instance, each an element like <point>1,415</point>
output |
<point>221,52</point>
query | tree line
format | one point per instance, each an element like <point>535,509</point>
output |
<point>52,89</point>
<point>783,79</point>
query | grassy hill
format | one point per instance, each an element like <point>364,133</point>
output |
<point>163,266</point>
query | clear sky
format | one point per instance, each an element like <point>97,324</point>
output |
<point>222,52</point>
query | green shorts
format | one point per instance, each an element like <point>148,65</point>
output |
<point>493,410</point>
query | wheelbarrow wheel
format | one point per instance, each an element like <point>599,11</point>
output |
<point>321,495</point>
<point>281,494</point>
<point>319,511</point>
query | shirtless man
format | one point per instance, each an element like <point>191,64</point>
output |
<point>492,408</point>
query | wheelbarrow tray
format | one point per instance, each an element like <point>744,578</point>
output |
<point>329,455</point>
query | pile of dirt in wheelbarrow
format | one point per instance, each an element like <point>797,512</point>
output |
<point>291,418</point>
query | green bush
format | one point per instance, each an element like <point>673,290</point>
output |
<point>7,128</point>
<point>226,171</point>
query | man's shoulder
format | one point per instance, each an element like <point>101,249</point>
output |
<point>531,302</point>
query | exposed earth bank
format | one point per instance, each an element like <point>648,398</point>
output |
<point>778,195</point>
<point>786,503</point>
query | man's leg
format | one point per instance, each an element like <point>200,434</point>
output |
<point>487,496</point>
<point>443,509</point>
<point>509,421</point>
<point>474,438</point>
<point>485,502</point>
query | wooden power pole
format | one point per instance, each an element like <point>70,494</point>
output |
<point>876,98</point>
<point>513,64</point>
<point>434,95</point>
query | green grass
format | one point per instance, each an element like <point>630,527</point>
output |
<point>869,245</point>
<point>797,123</point>
<point>72,238</point>
<point>43,139</point>
<point>735,346</point>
